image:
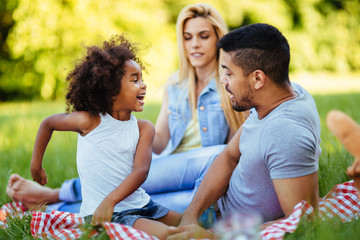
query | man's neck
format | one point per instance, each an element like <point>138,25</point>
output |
<point>272,98</point>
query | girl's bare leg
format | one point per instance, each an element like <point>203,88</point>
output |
<point>160,228</point>
<point>172,218</point>
<point>162,231</point>
<point>153,228</point>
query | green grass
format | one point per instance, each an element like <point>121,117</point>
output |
<point>331,229</point>
<point>18,228</point>
<point>334,158</point>
<point>19,123</point>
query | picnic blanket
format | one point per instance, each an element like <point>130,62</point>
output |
<point>341,201</point>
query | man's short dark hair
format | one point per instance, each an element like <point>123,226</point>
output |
<point>259,46</point>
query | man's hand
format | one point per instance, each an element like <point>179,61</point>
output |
<point>188,219</point>
<point>190,231</point>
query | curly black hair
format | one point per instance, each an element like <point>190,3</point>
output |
<point>96,77</point>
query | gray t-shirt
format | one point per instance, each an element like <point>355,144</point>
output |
<point>284,144</point>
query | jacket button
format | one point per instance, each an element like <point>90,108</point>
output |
<point>204,129</point>
<point>169,112</point>
<point>202,108</point>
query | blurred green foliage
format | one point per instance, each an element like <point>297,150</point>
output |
<point>41,39</point>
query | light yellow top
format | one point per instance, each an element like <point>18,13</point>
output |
<point>192,138</point>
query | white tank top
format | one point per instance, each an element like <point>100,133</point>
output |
<point>105,158</point>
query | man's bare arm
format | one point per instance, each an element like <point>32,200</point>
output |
<point>290,191</point>
<point>215,182</point>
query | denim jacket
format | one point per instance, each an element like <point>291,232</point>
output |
<point>213,126</point>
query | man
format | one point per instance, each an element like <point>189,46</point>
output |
<point>271,163</point>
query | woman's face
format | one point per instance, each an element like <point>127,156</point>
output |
<point>200,42</point>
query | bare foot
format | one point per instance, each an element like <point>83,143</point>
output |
<point>29,192</point>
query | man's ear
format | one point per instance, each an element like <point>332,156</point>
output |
<point>259,79</point>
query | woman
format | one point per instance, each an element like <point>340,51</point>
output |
<point>196,110</point>
<point>192,108</point>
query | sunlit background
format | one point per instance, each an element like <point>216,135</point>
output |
<point>41,39</point>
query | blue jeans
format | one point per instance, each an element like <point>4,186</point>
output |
<point>172,180</point>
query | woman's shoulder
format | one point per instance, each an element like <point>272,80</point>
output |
<point>173,78</point>
<point>175,84</point>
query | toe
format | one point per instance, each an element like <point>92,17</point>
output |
<point>13,178</point>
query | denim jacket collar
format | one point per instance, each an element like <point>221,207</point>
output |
<point>213,125</point>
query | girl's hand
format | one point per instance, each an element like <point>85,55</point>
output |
<point>39,176</point>
<point>103,212</point>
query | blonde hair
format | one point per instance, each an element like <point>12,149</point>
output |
<point>187,71</point>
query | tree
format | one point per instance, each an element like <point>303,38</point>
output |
<point>40,39</point>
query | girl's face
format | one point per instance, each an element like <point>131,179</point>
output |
<point>200,42</point>
<point>132,92</point>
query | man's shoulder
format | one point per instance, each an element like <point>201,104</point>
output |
<point>302,109</point>
<point>280,123</point>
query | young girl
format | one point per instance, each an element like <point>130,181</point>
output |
<point>114,148</point>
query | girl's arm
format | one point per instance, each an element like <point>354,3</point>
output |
<point>81,122</point>
<point>162,133</point>
<point>135,179</point>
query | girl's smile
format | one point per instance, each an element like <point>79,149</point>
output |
<point>141,98</point>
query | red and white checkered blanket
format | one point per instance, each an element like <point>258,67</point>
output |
<point>342,201</point>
